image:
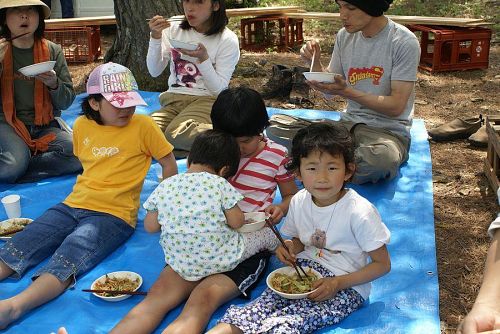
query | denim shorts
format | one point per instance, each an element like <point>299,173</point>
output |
<point>77,239</point>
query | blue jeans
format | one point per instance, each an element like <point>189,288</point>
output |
<point>77,239</point>
<point>66,8</point>
<point>18,165</point>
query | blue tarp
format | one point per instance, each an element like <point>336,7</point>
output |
<point>404,301</point>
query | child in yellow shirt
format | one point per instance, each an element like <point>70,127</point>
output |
<point>115,148</point>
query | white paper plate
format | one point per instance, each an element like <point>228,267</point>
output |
<point>320,76</point>
<point>183,45</point>
<point>9,223</point>
<point>290,271</point>
<point>259,221</point>
<point>38,68</point>
<point>116,274</point>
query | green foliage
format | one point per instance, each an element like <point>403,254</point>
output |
<point>241,3</point>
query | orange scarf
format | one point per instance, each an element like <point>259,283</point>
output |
<point>43,104</point>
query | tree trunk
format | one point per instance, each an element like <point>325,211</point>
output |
<point>132,38</point>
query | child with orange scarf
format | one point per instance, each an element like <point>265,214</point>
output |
<point>32,144</point>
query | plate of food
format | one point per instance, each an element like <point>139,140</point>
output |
<point>286,283</point>
<point>254,221</point>
<point>116,281</point>
<point>320,76</point>
<point>11,226</point>
<point>38,68</point>
<point>183,45</point>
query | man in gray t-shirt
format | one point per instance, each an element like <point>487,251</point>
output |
<point>376,61</point>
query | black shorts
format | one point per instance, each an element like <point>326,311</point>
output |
<point>248,273</point>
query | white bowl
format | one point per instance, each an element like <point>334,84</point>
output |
<point>39,68</point>
<point>116,274</point>
<point>320,76</point>
<point>9,223</point>
<point>290,271</point>
<point>258,221</point>
<point>183,45</point>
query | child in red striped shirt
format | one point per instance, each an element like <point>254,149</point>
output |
<point>242,113</point>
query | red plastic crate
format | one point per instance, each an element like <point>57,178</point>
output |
<point>453,48</point>
<point>259,33</point>
<point>79,44</point>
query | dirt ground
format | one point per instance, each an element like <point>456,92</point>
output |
<point>464,204</point>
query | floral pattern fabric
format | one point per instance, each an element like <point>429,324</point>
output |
<point>195,237</point>
<point>271,313</point>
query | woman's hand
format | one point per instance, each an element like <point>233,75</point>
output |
<point>275,213</point>
<point>156,25</point>
<point>201,53</point>
<point>49,79</point>
<point>286,257</point>
<point>3,48</point>
<point>326,288</point>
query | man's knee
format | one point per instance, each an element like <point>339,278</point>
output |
<point>181,135</point>
<point>376,163</point>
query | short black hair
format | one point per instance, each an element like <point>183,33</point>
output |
<point>88,111</point>
<point>240,111</point>
<point>219,20</point>
<point>329,137</point>
<point>217,150</point>
<point>38,32</point>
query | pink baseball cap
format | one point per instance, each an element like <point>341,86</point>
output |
<point>117,84</point>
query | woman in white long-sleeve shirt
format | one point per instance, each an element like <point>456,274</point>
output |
<point>196,76</point>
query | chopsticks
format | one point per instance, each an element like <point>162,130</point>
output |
<point>280,238</point>
<point>312,61</point>
<point>172,19</point>
<point>117,292</point>
<point>15,37</point>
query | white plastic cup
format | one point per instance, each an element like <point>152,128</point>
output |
<point>159,172</point>
<point>12,205</point>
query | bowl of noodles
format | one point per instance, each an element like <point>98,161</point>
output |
<point>286,283</point>
<point>116,281</point>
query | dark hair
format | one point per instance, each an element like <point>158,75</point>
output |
<point>217,150</point>
<point>219,20</point>
<point>88,111</point>
<point>38,32</point>
<point>329,137</point>
<point>240,111</point>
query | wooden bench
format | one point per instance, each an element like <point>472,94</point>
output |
<point>401,19</point>
<point>111,19</point>
<point>295,12</point>
<point>80,22</point>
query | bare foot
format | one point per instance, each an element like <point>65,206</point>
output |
<point>8,313</point>
<point>62,330</point>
